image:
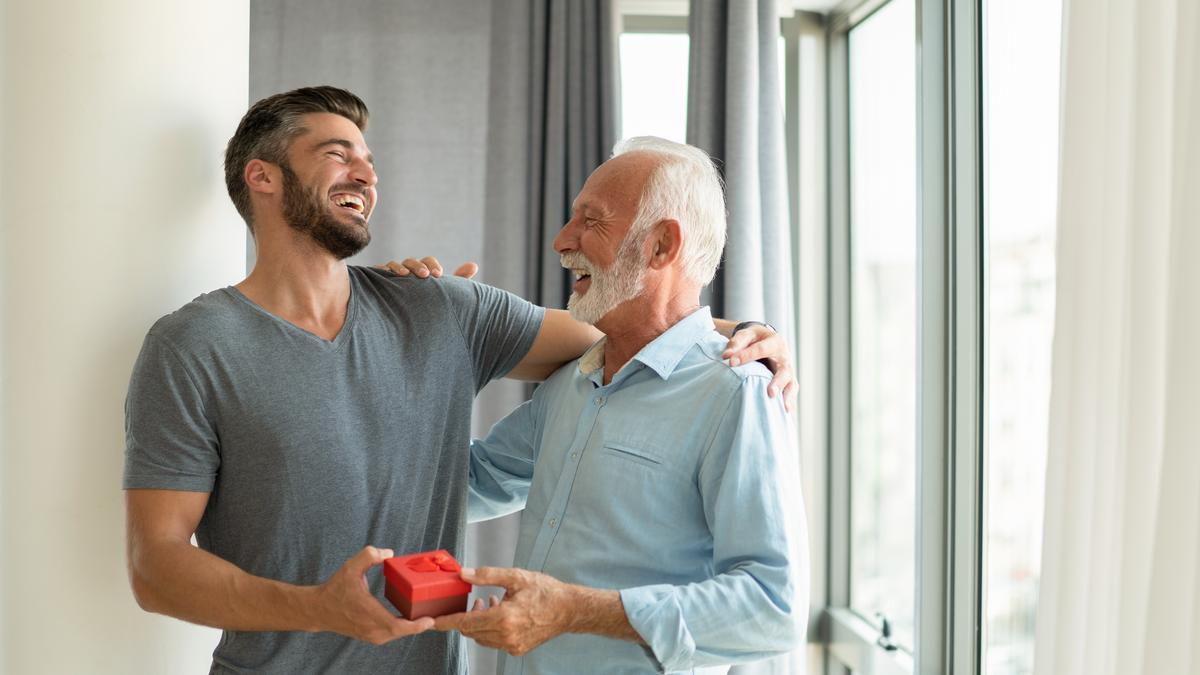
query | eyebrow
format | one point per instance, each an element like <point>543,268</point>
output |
<point>589,207</point>
<point>345,144</point>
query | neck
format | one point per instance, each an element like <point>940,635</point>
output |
<point>636,323</point>
<point>297,280</point>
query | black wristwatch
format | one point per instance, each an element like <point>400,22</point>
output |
<point>746,324</point>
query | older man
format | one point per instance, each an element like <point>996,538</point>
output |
<point>661,531</point>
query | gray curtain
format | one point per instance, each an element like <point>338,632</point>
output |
<point>552,120</point>
<point>735,113</point>
<point>486,118</point>
<point>422,68</point>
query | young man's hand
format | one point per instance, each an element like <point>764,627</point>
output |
<point>756,342</point>
<point>344,604</point>
<point>427,267</point>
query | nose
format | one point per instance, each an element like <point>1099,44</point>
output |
<point>363,172</point>
<point>568,238</point>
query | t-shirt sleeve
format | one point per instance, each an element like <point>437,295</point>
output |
<point>498,327</point>
<point>170,443</point>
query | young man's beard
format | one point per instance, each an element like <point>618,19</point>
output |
<point>622,281</point>
<point>308,212</point>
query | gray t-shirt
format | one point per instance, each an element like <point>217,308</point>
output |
<point>311,449</point>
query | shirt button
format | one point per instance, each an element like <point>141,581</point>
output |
<point>553,522</point>
<point>599,400</point>
<point>574,455</point>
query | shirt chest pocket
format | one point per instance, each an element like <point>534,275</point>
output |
<point>638,486</point>
<point>640,455</point>
<point>641,462</point>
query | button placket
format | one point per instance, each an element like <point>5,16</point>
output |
<point>562,490</point>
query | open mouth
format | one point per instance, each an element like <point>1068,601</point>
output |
<point>583,280</point>
<point>350,202</point>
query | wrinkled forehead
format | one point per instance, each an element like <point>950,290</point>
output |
<point>617,184</point>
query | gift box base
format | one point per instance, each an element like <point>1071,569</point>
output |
<point>416,610</point>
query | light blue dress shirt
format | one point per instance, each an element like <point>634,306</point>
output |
<point>675,483</point>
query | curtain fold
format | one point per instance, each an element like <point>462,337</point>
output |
<point>1120,584</point>
<point>735,113</point>
<point>552,119</point>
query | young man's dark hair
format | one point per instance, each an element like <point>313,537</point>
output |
<point>270,125</point>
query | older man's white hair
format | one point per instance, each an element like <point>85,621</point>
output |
<point>685,186</point>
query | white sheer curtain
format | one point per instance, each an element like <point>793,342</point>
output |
<point>1120,589</point>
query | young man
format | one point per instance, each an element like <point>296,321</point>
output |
<point>307,421</point>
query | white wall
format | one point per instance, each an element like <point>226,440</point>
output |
<point>115,117</point>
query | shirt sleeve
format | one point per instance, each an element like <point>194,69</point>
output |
<point>170,443</point>
<point>499,328</point>
<point>755,605</point>
<point>501,468</point>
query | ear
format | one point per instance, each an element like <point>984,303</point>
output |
<point>666,244</point>
<point>262,176</point>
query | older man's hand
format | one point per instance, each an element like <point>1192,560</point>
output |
<point>536,608</point>
<point>758,342</point>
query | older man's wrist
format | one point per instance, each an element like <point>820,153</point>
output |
<point>599,611</point>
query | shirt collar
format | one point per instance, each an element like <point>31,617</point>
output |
<point>664,352</point>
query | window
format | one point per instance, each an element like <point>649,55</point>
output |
<point>943,183</point>
<point>883,292</point>
<point>654,76</point>
<point>1020,112</point>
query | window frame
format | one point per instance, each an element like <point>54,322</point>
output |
<point>805,93</point>
<point>950,349</point>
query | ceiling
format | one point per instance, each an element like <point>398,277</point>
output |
<point>815,5</point>
<point>680,7</point>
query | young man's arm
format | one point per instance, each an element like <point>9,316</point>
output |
<point>171,576</point>
<point>562,339</point>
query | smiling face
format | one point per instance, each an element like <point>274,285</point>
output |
<point>596,244</point>
<point>329,184</point>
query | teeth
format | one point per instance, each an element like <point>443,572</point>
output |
<point>352,201</point>
<point>579,274</point>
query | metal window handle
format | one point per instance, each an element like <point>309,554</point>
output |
<point>885,633</point>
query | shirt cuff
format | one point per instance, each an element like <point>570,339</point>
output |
<point>655,614</point>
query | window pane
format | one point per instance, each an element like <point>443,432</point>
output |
<point>654,74</point>
<point>883,288</point>
<point>1021,73</point>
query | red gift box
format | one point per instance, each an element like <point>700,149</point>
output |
<point>425,584</point>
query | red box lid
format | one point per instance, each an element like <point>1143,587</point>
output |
<point>425,576</point>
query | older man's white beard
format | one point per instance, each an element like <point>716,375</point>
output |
<point>622,281</point>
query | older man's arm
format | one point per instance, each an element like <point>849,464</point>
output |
<point>757,603</point>
<point>536,608</point>
<point>501,467</point>
<point>754,607</point>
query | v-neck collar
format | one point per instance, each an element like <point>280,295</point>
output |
<point>336,342</point>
